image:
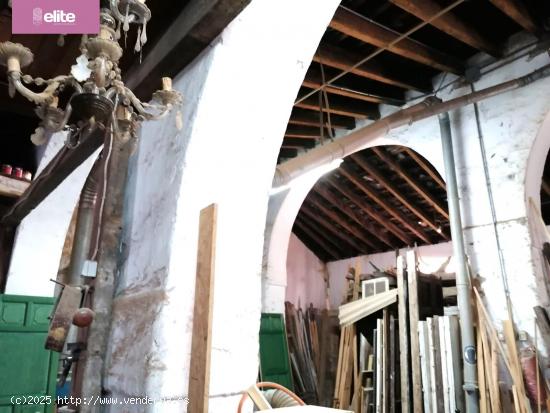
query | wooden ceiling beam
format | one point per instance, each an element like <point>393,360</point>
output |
<point>308,117</point>
<point>192,31</point>
<point>347,239</point>
<point>369,210</point>
<point>321,234</point>
<point>305,132</point>
<point>375,174</point>
<point>354,25</point>
<point>359,110</point>
<point>398,215</point>
<point>298,143</point>
<point>288,153</point>
<point>344,60</point>
<point>413,183</point>
<point>517,11</point>
<point>356,231</point>
<point>448,23</point>
<point>375,231</point>
<point>432,173</point>
<point>327,250</point>
<point>314,82</point>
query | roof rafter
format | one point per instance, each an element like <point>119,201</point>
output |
<point>362,204</point>
<point>343,60</point>
<point>413,183</point>
<point>377,232</point>
<point>356,231</point>
<point>359,183</point>
<point>448,23</point>
<point>367,31</point>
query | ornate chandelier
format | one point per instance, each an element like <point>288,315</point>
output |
<point>94,90</point>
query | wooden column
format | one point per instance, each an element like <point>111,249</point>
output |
<point>199,372</point>
<point>403,335</point>
<point>413,319</point>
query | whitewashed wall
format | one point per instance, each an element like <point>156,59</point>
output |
<point>40,236</point>
<point>226,154</point>
<point>516,130</point>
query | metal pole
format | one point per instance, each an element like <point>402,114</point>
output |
<point>462,275</point>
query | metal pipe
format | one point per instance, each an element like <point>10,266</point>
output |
<point>462,275</point>
<point>85,223</point>
<point>359,139</point>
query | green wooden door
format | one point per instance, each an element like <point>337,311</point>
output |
<point>27,371</point>
<point>274,361</point>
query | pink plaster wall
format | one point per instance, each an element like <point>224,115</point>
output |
<point>305,283</point>
<point>305,270</point>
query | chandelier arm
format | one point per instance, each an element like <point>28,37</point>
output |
<point>45,96</point>
<point>142,107</point>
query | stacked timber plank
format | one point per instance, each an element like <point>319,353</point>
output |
<point>303,343</point>
<point>440,362</point>
<point>313,348</point>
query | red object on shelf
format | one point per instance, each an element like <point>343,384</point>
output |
<point>17,172</point>
<point>6,169</point>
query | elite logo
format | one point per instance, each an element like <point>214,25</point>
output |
<point>55,16</point>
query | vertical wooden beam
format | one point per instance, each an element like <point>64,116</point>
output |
<point>413,319</point>
<point>403,335</point>
<point>199,371</point>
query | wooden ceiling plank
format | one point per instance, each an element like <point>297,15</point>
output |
<point>375,231</point>
<point>432,173</point>
<point>329,252</point>
<point>288,153</point>
<point>449,23</point>
<point>351,24</point>
<point>335,217</point>
<point>413,183</point>
<point>308,117</point>
<point>517,11</point>
<point>377,176</point>
<point>314,82</point>
<point>321,234</point>
<point>340,108</point>
<point>413,227</point>
<point>327,225</point>
<point>298,143</point>
<point>344,60</point>
<point>370,211</point>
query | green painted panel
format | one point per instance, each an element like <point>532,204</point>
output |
<point>28,368</point>
<point>274,361</point>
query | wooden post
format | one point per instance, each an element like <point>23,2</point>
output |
<point>413,318</point>
<point>403,335</point>
<point>199,372</point>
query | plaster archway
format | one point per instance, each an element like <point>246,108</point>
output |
<point>284,206</point>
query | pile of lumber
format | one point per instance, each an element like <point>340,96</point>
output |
<point>303,346</point>
<point>313,348</point>
<point>441,364</point>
